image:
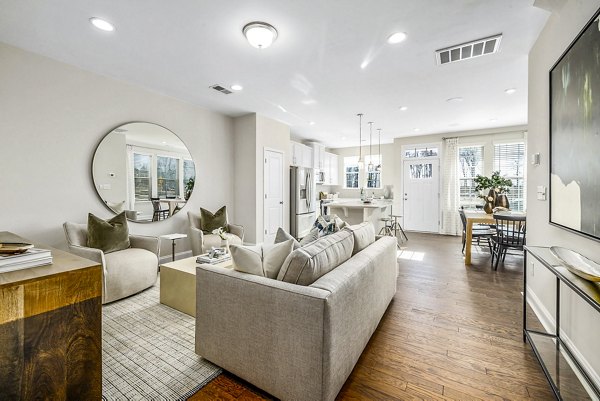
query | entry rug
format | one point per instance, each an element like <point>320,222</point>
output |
<point>148,351</point>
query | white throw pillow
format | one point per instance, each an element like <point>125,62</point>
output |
<point>261,260</point>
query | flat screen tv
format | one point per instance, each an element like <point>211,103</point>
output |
<point>575,135</point>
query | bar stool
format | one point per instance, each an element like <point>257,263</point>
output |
<point>387,227</point>
<point>397,226</point>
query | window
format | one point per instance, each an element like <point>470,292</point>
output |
<point>141,176</point>
<point>373,164</point>
<point>470,162</point>
<point>167,176</point>
<point>189,171</point>
<point>350,172</point>
<point>509,159</point>
<point>421,152</point>
<point>420,171</point>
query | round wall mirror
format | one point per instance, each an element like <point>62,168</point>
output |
<point>144,170</point>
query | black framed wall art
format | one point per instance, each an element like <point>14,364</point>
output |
<point>575,134</point>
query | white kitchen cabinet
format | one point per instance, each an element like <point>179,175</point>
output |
<point>318,156</point>
<point>301,155</point>
<point>333,169</point>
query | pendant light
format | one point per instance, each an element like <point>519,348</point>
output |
<point>370,145</point>
<point>378,168</point>
<point>361,163</point>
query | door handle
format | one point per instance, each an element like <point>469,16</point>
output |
<point>281,203</point>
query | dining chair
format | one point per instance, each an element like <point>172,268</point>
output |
<point>159,214</point>
<point>510,234</point>
<point>478,232</point>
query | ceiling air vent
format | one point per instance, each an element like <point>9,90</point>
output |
<point>221,89</point>
<point>476,48</point>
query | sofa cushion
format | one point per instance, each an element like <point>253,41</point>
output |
<point>307,264</point>
<point>212,221</point>
<point>364,235</point>
<point>283,235</point>
<point>261,260</point>
<point>108,235</point>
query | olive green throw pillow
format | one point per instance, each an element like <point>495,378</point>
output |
<point>210,221</point>
<point>109,235</point>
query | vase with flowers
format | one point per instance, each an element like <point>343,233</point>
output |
<point>496,187</point>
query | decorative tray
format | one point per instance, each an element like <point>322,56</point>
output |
<point>577,263</point>
<point>14,247</point>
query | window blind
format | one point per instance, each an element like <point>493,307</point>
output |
<point>470,164</point>
<point>509,159</point>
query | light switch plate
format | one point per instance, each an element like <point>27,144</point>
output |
<point>541,193</point>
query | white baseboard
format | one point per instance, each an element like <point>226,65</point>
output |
<point>547,320</point>
<point>178,255</point>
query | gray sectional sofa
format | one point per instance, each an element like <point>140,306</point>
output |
<point>298,342</point>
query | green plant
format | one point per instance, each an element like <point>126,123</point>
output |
<point>189,185</point>
<point>496,182</point>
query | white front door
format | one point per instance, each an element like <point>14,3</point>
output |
<point>421,195</point>
<point>273,194</point>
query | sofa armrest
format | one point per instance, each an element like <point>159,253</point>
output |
<point>196,240</point>
<point>265,331</point>
<point>236,230</point>
<point>89,253</point>
<point>151,244</point>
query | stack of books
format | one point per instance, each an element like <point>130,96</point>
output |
<point>212,258</point>
<point>32,257</point>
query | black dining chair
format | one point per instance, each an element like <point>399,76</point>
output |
<point>159,214</point>
<point>510,234</point>
<point>478,232</point>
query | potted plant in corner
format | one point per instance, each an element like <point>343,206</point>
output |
<point>497,186</point>
<point>189,187</point>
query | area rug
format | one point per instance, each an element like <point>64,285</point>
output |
<point>148,351</point>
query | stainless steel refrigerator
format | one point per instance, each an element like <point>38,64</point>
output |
<point>303,208</point>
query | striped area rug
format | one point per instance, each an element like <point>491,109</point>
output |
<point>148,351</point>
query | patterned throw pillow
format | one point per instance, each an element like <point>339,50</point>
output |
<point>329,224</point>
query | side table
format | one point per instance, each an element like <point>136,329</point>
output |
<point>173,238</point>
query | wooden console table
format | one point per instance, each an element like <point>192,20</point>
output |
<point>50,329</point>
<point>559,364</point>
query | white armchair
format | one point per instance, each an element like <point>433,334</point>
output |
<point>125,272</point>
<point>201,242</point>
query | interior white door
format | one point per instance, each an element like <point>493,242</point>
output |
<point>273,194</point>
<point>421,195</point>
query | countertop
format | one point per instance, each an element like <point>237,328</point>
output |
<point>358,204</point>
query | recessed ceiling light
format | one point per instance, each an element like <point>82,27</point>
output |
<point>164,142</point>
<point>102,24</point>
<point>260,34</point>
<point>455,99</point>
<point>493,120</point>
<point>416,129</point>
<point>344,138</point>
<point>453,125</point>
<point>282,108</point>
<point>396,38</point>
<point>510,91</point>
<point>311,123</point>
<point>403,108</point>
<point>237,87</point>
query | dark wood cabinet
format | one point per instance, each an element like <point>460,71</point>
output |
<point>51,329</point>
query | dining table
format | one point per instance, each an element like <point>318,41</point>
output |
<point>477,217</point>
<point>172,202</point>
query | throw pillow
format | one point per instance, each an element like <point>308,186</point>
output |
<point>108,235</point>
<point>260,260</point>
<point>211,221</point>
<point>283,235</point>
<point>312,236</point>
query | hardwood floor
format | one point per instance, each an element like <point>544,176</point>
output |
<point>451,333</point>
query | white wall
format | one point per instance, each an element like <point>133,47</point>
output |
<point>254,134</point>
<point>52,118</point>
<point>581,324</point>
<point>110,168</point>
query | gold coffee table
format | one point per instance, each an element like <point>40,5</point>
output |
<point>178,284</point>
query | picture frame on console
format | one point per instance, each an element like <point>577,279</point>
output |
<point>575,135</point>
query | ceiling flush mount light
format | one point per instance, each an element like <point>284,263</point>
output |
<point>455,99</point>
<point>260,34</point>
<point>311,123</point>
<point>396,38</point>
<point>403,108</point>
<point>237,87</point>
<point>101,24</point>
<point>510,91</point>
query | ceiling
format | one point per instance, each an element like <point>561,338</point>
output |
<point>313,70</point>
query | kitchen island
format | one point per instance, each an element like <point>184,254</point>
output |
<point>354,211</point>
